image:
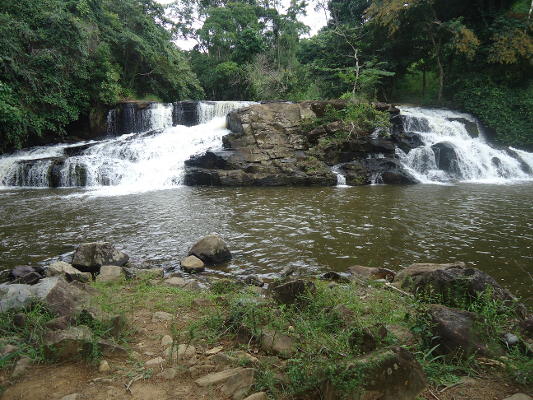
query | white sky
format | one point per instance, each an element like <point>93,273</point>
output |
<point>315,21</point>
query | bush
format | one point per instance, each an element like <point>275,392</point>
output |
<point>506,110</point>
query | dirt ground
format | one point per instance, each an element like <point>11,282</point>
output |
<point>128,379</point>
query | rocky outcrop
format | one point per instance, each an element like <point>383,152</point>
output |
<point>269,146</point>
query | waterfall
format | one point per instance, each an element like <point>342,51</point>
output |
<point>150,156</point>
<point>454,148</point>
<point>341,179</point>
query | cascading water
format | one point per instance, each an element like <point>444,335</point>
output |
<point>455,149</point>
<point>341,179</point>
<point>151,157</point>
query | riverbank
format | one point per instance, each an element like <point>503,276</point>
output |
<point>300,337</point>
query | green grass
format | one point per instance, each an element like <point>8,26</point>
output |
<point>28,338</point>
<point>325,337</point>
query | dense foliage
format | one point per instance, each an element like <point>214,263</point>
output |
<point>59,59</point>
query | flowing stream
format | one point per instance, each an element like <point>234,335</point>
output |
<point>131,195</point>
<point>454,148</point>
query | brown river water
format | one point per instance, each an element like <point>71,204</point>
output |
<point>489,227</point>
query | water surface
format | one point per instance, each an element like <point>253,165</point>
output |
<point>487,226</point>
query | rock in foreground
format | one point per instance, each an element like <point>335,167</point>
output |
<point>212,250</point>
<point>89,257</point>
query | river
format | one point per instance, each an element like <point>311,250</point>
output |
<point>489,227</point>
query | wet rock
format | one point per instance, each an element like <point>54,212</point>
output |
<point>61,297</point>
<point>390,374</point>
<point>372,273</point>
<point>70,273</point>
<point>446,157</point>
<point>470,126</point>
<point>367,171</point>
<point>89,257</point>
<point>277,343</point>
<point>110,273</point>
<point>454,332</point>
<point>71,343</point>
<point>292,291</point>
<point>212,250</point>
<point>104,366</point>
<point>26,275</point>
<point>20,367</point>
<point>192,265</point>
<point>335,277</point>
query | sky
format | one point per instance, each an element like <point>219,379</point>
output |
<point>315,20</point>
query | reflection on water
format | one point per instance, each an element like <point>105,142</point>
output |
<point>487,226</point>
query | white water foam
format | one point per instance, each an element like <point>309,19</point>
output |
<point>474,159</point>
<point>131,163</point>
<point>341,179</point>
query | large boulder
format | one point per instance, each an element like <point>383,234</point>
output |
<point>273,144</point>
<point>407,275</point>
<point>55,292</point>
<point>68,271</point>
<point>454,332</point>
<point>390,374</point>
<point>456,284</point>
<point>212,250</point>
<point>89,257</point>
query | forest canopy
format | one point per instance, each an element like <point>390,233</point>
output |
<point>60,59</point>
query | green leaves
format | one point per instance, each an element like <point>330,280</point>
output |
<point>60,59</point>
